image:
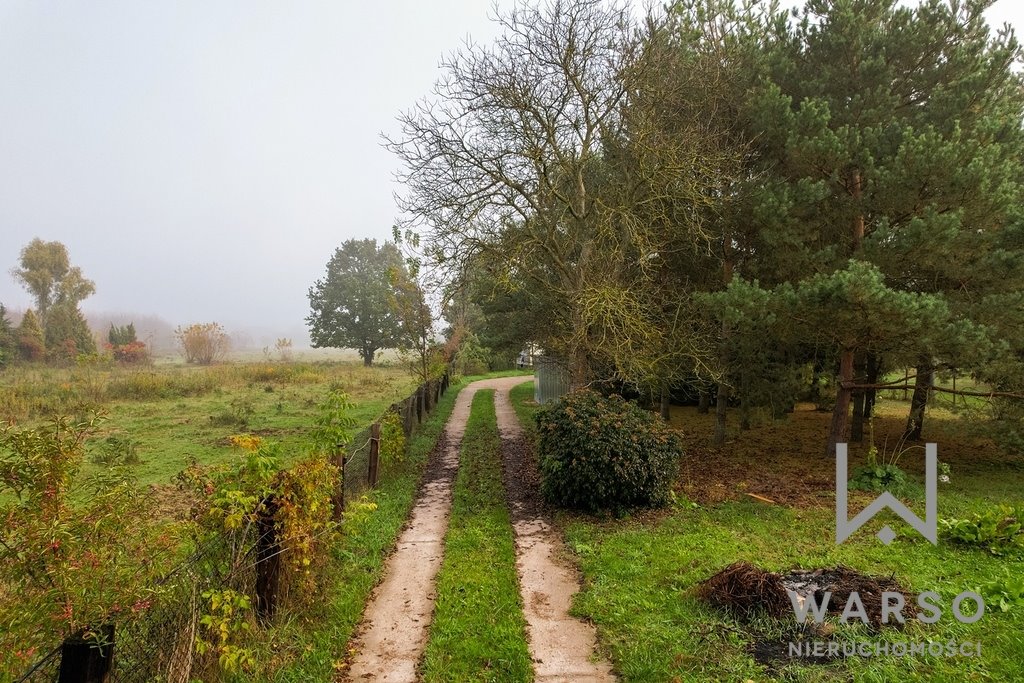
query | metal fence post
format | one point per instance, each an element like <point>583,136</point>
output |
<point>85,660</point>
<point>374,459</point>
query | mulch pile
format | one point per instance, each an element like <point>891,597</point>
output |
<point>743,590</point>
<point>841,581</point>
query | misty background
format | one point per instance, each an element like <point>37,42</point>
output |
<point>202,160</point>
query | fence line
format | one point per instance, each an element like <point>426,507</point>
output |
<point>159,645</point>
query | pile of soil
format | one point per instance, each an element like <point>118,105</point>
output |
<point>743,589</point>
<point>841,581</point>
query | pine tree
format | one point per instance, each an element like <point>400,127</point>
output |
<point>31,343</point>
<point>889,135</point>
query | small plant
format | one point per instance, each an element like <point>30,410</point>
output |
<point>333,425</point>
<point>392,438</point>
<point>117,450</point>
<point>997,529</point>
<point>1005,592</point>
<point>238,414</point>
<point>882,471</point>
<point>224,628</point>
<point>598,452</point>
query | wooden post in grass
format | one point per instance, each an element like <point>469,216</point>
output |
<point>268,561</point>
<point>421,401</point>
<point>338,498</point>
<point>87,660</point>
<point>374,458</point>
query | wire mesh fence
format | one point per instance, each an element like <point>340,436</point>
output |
<point>156,644</point>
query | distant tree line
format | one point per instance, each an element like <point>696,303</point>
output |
<point>55,329</point>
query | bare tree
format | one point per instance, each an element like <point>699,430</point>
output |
<point>538,156</point>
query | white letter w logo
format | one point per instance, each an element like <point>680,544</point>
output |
<point>927,528</point>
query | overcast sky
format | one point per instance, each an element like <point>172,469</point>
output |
<point>201,160</point>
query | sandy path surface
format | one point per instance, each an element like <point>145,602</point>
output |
<point>563,648</point>
<point>397,618</point>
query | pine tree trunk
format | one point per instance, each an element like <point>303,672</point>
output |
<point>874,367</point>
<point>720,411</point>
<point>858,398</point>
<point>840,413</point>
<point>723,389</point>
<point>919,401</point>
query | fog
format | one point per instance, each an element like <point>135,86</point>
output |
<point>201,160</point>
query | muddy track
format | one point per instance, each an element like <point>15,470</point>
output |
<point>563,648</point>
<point>396,622</point>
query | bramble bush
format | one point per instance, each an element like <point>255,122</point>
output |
<point>598,452</point>
<point>76,552</point>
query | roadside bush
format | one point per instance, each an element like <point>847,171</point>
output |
<point>598,452</point>
<point>77,551</point>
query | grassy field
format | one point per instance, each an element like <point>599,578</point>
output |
<point>174,413</point>
<point>478,632</point>
<point>639,572</point>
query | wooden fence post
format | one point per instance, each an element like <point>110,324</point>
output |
<point>87,660</point>
<point>421,397</point>
<point>374,459</point>
<point>407,417</point>
<point>268,562</point>
<point>338,498</point>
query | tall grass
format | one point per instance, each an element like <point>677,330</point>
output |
<point>30,391</point>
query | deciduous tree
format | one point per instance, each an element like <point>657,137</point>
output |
<point>351,306</point>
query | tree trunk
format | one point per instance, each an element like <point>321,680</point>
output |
<point>666,413</point>
<point>367,355</point>
<point>918,402</point>
<point>874,367</point>
<point>703,401</point>
<point>858,398</point>
<point>720,411</point>
<point>840,413</point>
<point>857,423</point>
<point>723,388</point>
<point>815,393</point>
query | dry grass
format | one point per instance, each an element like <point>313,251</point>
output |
<point>785,460</point>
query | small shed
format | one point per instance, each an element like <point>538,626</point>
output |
<point>552,379</point>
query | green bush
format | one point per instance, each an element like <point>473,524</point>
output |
<point>598,452</point>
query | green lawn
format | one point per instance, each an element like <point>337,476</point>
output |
<point>639,574</point>
<point>478,632</point>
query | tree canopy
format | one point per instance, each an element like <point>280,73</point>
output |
<point>727,194</point>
